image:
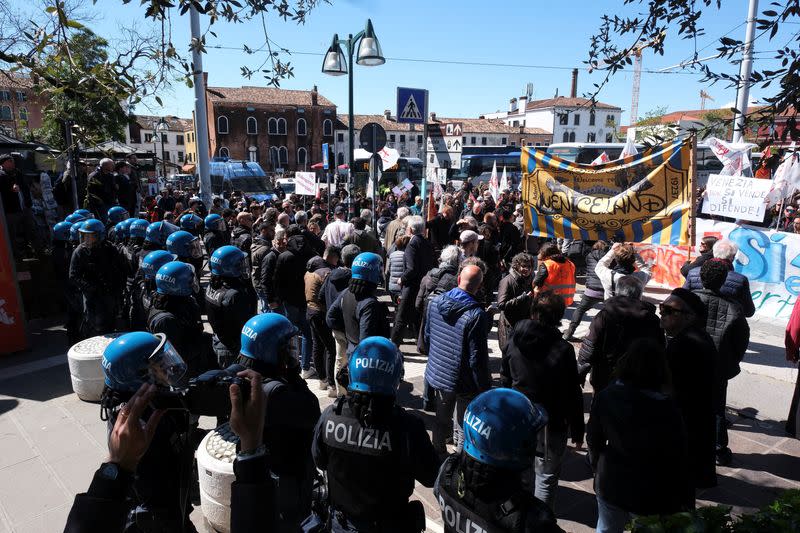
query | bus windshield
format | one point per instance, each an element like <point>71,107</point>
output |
<point>473,166</point>
<point>405,168</point>
<point>245,176</point>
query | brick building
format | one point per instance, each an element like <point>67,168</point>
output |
<point>20,107</point>
<point>277,128</point>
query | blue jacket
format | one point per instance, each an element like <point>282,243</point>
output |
<point>458,355</point>
<point>736,287</point>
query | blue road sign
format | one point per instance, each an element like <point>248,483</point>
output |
<point>412,105</point>
<point>325,156</point>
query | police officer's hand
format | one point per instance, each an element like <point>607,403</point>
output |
<point>131,436</point>
<point>247,415</point>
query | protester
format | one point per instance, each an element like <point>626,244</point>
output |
<point>556,273</point>
<point>792,345</point>
<point>621,260</point>
<point>736,285</point>
<point>706,252</point>
<point>323,348</point>
<point>418,261</point>
<point>395,267</point>
<point>593,293</point>
<point>337,231</point>
<point>514,296</point>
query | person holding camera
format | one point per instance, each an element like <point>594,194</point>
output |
<point>372,449</point>
<point>270,346</point>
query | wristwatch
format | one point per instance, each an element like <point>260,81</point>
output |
<point>109,471</point>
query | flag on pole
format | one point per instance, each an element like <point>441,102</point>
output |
<point>602,158</point>
<point>787,179</point>
<point>493,185</point>
<point>629,149</point>
<point>504,181</point>
<point>433,209</point>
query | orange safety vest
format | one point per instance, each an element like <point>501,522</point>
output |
<point>561,279</point>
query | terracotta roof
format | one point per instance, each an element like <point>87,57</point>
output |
<point>388,124</point>
<point>174,123</point>
<point>563,101</point>
<point>478,125</point>
<point>264,95</point>
<point>536,131</point>
<point>15,80</point>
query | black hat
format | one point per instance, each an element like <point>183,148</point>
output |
<point>691,299</point>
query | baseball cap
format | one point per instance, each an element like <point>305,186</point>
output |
<point>339,210</point>
<point>468,236</point>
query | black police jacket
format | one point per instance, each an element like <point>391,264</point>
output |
<point>518,511</point>
<point>215,239</point>
<point>359,318</point>
<point>371,470</point>
<point>97,270</point>
<point>229,307</point>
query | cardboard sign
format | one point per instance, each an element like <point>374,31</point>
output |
<point>736,197</point>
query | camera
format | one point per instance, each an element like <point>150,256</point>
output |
<point>206,395</point>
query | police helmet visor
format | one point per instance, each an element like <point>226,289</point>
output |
<point>195,249</point>
<point>245,268</point>
<point>195,283</point>
<point>89,239</point>
<point>166,366</point>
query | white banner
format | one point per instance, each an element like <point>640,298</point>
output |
<point>732,156</point>
<point>736,197</point>
<point>305,183</point>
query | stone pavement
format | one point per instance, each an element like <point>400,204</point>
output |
<point>51,442</point>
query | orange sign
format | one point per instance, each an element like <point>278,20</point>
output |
<point>12,321</point>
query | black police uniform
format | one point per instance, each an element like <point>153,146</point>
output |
<point>359,318</point>
<point>98,273</point>
<point>229,307</point>
<point>506,507</point>
<point>371,470</point>
<point>62,254</point>
<point>180,321</point>
<point>214,239</point>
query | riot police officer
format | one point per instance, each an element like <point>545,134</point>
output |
<point>372,449</point>
<point>230,302</point>
<point>175,313</point>
<point>357,311</point>
<point>144,285</point>
<point>62,253</point>
<point>270,346</point>
<point>115,215</point>
<point>74,218</point>
<point>481,488</point>
<point>186,247</point>
<point>156,236</point>
<point>160,499</point>
<point>85,213</point>
<point>97,271</point>
<point>191,223</point>
<point>216,234</point>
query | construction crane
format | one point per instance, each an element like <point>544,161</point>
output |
<point>637,79</point>
<point>703,97</point>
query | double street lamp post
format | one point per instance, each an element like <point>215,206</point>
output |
<point>158,129</point>
<point>335,64</point>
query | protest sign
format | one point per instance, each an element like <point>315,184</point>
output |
<point>736,197</point>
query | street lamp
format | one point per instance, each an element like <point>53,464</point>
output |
<point>159,127</point>
<point>335,64</point>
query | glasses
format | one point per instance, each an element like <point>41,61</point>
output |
<point>667,310</point>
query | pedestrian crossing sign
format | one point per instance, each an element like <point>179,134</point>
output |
<point>412,105</point>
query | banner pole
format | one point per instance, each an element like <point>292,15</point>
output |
<point>693,189</point>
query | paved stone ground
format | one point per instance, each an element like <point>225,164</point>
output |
<point>51,442</point>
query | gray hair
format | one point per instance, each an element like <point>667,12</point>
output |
<point>629,286</point>
<point>451,255</point>
<point>105,161</point>
<point>402,213</point>
<point>415,224</point>
<point>366,214</point>
<point>725,249</point>
<point>301,217</point>
<point>280,233</point>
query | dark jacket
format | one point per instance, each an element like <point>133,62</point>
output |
<point>514,302</point>
<point>365,241</point>
<point>98,270</point>
<point>215,239</point>
<point>458,354</point>
<point>439,228</point>
<point>621,321</point>
<point>358,318</point>
<point>288,279</point>
<point>419,259</point>
<point>101,191</point>
<point>691,356</point>
<point>727,326</point>
<point>229,307</point>
<point>258,252</point>
<point>437,281</point>
<point>736,286</point>
<point>510,241</point>
<point>334,284</point>
<point>267,275</point>
<point>593,283</point>
<point>541,365</point>
<point>242,238</point>
<point>10,198</point>
<point>697,263</point>
<point>637,446</point>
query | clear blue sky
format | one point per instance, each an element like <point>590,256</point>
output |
<point>509,32</point>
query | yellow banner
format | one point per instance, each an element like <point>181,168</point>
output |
<point>642,198</point>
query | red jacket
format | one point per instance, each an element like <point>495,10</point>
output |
<point>792,338</point>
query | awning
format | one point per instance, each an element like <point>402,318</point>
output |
<point>318,166</point>
<point>188,168</point>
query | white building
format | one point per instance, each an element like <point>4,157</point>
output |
<point>141,135</point>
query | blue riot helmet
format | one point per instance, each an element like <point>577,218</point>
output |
<point>85,213</point>
<point>215,222</point>
<point>154,261</point>
<point>184,245</point>
<point>92,232</point>
<point>158,232</point>
<point>120,231</point>
<point>61,231</point>
<point>190,222</point>
<point>264,336</point>
<point>136,357</point>
<point>229,262</point>
<point>368,266</point>
<point>176,279</point>
<point>375,367</point>
<point>500,427</point>
<point>74,218</point>
<point>117,214</point>
<point>138,228</point>
<point>74,232</point>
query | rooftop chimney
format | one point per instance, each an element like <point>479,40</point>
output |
<point>388,114</point>
<point>523,104</point>
<point>512,105</point>
<point>314,95</point>
<point>433,116</point>
<point>573,93</point>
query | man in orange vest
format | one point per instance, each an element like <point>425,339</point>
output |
<point>555,273</point>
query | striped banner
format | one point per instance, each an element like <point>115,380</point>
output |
<point>646,197</point>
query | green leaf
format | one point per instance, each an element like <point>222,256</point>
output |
<point>158,99</point>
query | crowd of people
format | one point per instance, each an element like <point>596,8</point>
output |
<point>293,300</point>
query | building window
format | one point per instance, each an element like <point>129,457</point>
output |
<point>180,157</point>
<point>577,119</point>
<point>609,138</point>
<point>402,138</point>
<point>503,141</point>
<point>472,140</point>
<point>179,139</point>
<point>516,123</point>
<point>610,121</point>
<point>148,137</point>
<point>419,139</point>
<point>223,152</point>
<point>23,113</point>
<point>563,119</point>
<point>483,141</point>
<point>565,138</point>
<point>327,127</point>
<point>252,126</point>
<point>572,136</point>
<point>590,137</point>
<point>591,118</point>
<point>164,138</point>
<point>272,126</point>
<point>166,156</point>
<point>5,95</point>
<point>391,137</point>
<point>283,155</point>
<point>301,126</point>
<point>252,154</point>
<point>340,137</point>
<point>222,124</point>
<point>513,143</point>
<point>301,156</point>
<point>274,156</point>
<point>281,126</point>
<point>21,96</point>
<point>5,113</point>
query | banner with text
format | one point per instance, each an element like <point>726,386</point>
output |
<point>736,197</point>
<point>770,260</point>
<point>305,183</point>
<point>646,197</point>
